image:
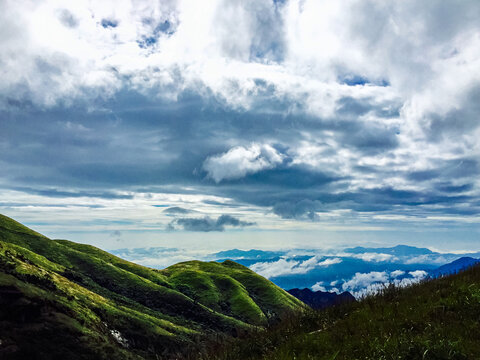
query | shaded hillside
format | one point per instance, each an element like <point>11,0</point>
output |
<point>321,299</point>
<point>455,266</point>
<point>435,319</point>
<point>61,300</point>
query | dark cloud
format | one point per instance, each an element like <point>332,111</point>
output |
<point>207,224</point>
<point>116,234</point>
<point>55,193</point>
<point>457,122</point>
<point>450,188</point>
<point>109,23</point>
<point>297,210</point>
<point>176,210</point>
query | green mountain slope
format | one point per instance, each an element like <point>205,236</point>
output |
<point>435,319</point>
<point>60,299</point>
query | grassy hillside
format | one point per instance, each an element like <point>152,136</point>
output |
<point>232,289</point>
<point>59,300</point>
<point>436,319</point>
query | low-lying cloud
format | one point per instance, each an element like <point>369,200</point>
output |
<point>362,284</point>
<point>290,267</point>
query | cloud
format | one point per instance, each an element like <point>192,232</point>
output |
<point>319,287</point>
<point>329,261</point>
<point>290,267</point>
<point>397,273</point>
<point>157,257</point>
<point>297,210</point>
<point>240,161</point>
<point>362,284</point>
<point>207,224</point>
<point>363,280</point>
<point>418,274</point>
<point>116,234</point>
<point>342,113</point>
<point>176,210</point>
<point>375,257</point>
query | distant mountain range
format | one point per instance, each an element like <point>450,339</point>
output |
<point>399,250</point>
<point>354,269</point>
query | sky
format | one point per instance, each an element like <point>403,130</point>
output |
<point>210,125</point>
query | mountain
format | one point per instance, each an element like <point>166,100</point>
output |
<point>252,254</point>
<point>302,268</point>
<point>399,250</point>
<point>321,299</point>
<point>63,300</point>
<point>454,267</point>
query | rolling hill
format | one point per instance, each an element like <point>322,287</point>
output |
<point>60,299</point>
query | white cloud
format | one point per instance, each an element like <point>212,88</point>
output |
<point>319,286</point>
<point>330,261</point>
<point>277,268</point>
<point>291,267</point>
<point>418,274</point>
<point>375,257</point>
<point>240,161</point>
<point>397,273</point>
<point>426,259</point>
<point>363,284</point>
<point>300,47</point>
<point>363,280</point>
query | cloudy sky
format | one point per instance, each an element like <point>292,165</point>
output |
<point>221,124</point>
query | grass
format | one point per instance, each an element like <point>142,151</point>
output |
<point>233,289</point>
<point>79,302</point>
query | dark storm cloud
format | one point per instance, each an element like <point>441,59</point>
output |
<point>207,224</point>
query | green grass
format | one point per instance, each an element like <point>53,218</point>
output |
<point>233,289</point>
<point>65,294</point>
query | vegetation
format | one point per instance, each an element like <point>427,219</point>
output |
<point>435,319</point>
<point>59,299</point>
